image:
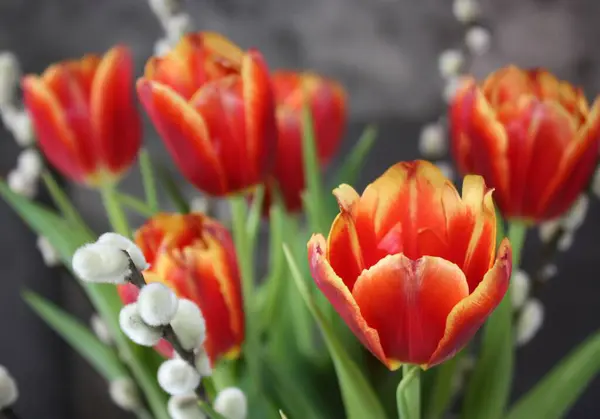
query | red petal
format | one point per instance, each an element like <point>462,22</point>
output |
<point>343,250</point>
<point>342,300</point>
<point>460,113</point>
<point>468,315</point>
<point>114,115</point>
<point>185,134</point>
<point>408,301</point>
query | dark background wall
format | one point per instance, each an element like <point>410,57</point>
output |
<point>385,53</point>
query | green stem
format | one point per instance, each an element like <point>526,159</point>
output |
<point>148,180</point>
<point>135,204</point>
<point>516,235</point>
<point>63,203</point>
<point>408,394</point>
<point>116,215</point>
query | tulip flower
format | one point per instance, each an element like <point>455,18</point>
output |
<point>531,136</point>
<point>327,103</point>
<point>212,104</point>
<point>410,265</point>
<point>85,117</point>
<point>194,255</point>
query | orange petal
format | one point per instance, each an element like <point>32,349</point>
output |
<point>185,134</point>
<point>340,297</point>
<point>460,113</point>
<point>468,315</point>
<point>506,85</point>
<point>343,249</point>
<point>408,301</point>
<point>347,198</point>
<point>113,112</point>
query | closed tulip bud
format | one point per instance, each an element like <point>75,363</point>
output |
<point>189,326</point>
<point>202,363</point>
<point>9,392</point>
<point>157,304</point>
<point>97,262</point>
<point>124,393</point>
<point>135,329</point>
<point>231,403</point>
<point>184,407</point>
<point>123,243</point>
<point>533,138</point>
<point>212,105</point>
<point>85,117</point>
<point>530,322</point>
<point>177,377</point>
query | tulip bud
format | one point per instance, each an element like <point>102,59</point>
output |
<point>519,286</point>
<point>202,363</point>
<point>49,254</point>
<point>184,407</point>
<point>30,163</point>
<point>466,11</point>
<point>9,77</point>
<point>478,40</point>
<point>123,243</point>
<point>432,141</point>
<point>97,262</point>
<point>9,392</point>
<point>100,329</point>
<point>530,321</point>
<point>450,62</point>
<point>576,215</point>
<point>231,402</point>
<point>134,327</point>
<point>124,394</point>
<point>189,325</point>
<point>21,184</point>
<point>157,304</point>
<point>177,377</point>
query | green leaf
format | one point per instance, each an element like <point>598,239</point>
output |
<point>208,410</point>
<point>441,390</point>
<point>148,180</point>
<point>102,358</point>
<point>135,204</point>
<point>560,388</point>
<point>359,398</point>
<point>254,214</point>
<point>173,191</point>
<point>63,203</point>
<point>351,168</point>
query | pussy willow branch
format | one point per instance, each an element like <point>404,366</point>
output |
<point>8,413</point>
<point>137,279</point>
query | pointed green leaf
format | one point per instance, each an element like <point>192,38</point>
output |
<point>359,398</point>
<point>148,180</point>
<point>63,203</point>
<point>440,395</point>
<point>173,191</point>
<point>353,164</point>
<point>255,214</point>
<point>102,358</point>
<point>554,395</point>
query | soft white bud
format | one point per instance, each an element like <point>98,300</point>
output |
<point>124,394</point>
<point>49,253</point>
<point>466,11</point>
<point>575,217</point>
<point>446,168</point>
<point>547,230</point>
<point>478,40</point>
<point>9,77</point>
<point>184,407</point>
<point>20,125</point>
<point>530,321</point>
<point>178,25</point>
<point>21,184</point>
<point>30,163</point>
<point>162,47</point>
<point>123,243</point>
<point>432,141</point>
<point>134,327</point>
<point>97,262</point>
<point>202,363</point>
<point>566,241</point>
<point>189,325</point>
<point>549,271</point>
<point>231,402</point>
<point>450,62</point>
<point>9,393</point>
<point>177,377</point>
<point>199,204</point>
<point>100,329</point>
<point>157,304</point>
<point>596,183</point>
<point>163,9</point>
<point>520,285</point>
<point>450,89</point>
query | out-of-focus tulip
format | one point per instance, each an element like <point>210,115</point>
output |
<point>531,136</point>
<point>85,117</point>
<point>327,103</point>
<point>213,106</point>
<point>410,265</point>
<point>195,256</point>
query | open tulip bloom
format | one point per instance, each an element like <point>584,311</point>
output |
<point>401,283</point>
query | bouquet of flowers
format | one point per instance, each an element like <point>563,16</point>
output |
<point>373,304</point>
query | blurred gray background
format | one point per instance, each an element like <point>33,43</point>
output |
<point>385,53</point>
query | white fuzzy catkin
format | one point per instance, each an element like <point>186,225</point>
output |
<point>164,9</point>
<point>549,271</point>
<point>432,141</point>
<point>124,394</point>
<point>446,169</point>
<point>478,40</point>
<point>123,243</point>
<point>231,402</point>
<point>97,262</point>
<point>450,63</point>
<point>177,377</point>
<point>184,407</point>
<point>566,241</point>
<point>547,230</point>
<point>176,26</point>
<point>135,329</point>
<point>10,73</point>
<point>161,47</point>
<point>575,217</point>
<point>466,11</point>
<point>202,363</point>
<point>30,163</point>
<point>530,321</point>
<point>49,253</point>
<point>100,329</point>
<point>520,285</point>
<point>19,124</point>
<point>9,393</point>
<point>157,304</point>
<point>450,88</point>
<point>189,325</point>
<point>21,184</point>
<point>199,204</point>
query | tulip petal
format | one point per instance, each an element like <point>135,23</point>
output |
<point>185,134</point>
<point>343,249</point>
<point>507,84</point>
<point>460,112</point>
<point>113,112</point>
<point>340,297</point>
<point>468,315</point>
<point>347,198</point>
<point>408,301</point>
